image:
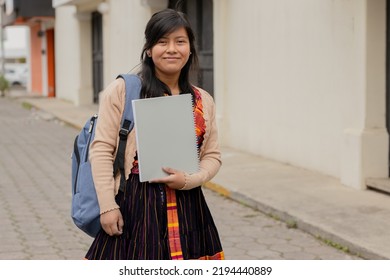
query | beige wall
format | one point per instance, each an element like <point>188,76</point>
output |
<point>68,55</point>
<point>123,27</point>
<point>303,82</point>
<point>123,36</point>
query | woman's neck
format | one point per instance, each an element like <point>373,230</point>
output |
<point>171,81</point>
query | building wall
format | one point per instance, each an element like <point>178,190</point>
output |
<point>123,27</point>
<point>123,36</point>
<point>303,82</point>
<point>67,55</point>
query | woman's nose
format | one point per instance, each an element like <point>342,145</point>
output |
<point>171,47</point>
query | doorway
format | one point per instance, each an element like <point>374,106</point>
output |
<point>97,55</point>
<point>200,15</point>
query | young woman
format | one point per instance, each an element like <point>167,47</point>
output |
<point>167,218</point>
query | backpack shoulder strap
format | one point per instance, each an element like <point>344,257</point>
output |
<point>133,89</point>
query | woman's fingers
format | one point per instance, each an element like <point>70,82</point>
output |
<point>170,171</point>
<point>174,180</point>
<point>112,222</point>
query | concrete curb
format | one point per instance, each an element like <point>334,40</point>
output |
<point>296,222</point>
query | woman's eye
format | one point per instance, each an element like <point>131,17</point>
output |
<point>162,42</point>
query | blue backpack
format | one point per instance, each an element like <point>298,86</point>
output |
<point>85,207</point>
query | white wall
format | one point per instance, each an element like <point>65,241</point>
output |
<point>67,54</point>
<point>365,144</point>
<point>123,27</point>
<point>291,80</point>
<point>123,36</point>
<point>301,82</point>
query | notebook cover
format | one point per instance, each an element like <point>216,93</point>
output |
<point>165,134</point>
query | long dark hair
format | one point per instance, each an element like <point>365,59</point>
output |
<point>160,24</point>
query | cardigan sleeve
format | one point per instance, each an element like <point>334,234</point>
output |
<point>103,147</point>
<point>210,155</point>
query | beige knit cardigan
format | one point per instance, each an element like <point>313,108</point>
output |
<point>103,148</point>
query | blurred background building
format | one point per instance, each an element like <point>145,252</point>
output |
<point>38,17</point>
<point>15,56</point>
<point>303,82</point>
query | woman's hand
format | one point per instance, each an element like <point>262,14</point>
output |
<point>112,222</point>
<point>175,180</point>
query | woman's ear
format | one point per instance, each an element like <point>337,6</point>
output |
<point>148,53</point>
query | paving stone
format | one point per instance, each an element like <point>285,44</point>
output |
<point>35,197</point>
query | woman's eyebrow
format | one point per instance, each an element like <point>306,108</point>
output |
<point>177,37</point>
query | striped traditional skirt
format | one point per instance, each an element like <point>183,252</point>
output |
<point>160,223</point>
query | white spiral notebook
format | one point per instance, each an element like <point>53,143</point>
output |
<point>165,134</point>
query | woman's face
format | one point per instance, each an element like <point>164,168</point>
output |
<point>171,53</point>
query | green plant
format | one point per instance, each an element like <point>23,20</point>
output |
<point>4,85</point>
<point>334,244</point>
<point>26,105</point>
<point>291,224</point>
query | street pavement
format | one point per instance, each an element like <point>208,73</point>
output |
<point>35,197</point>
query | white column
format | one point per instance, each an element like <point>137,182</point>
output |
<point>28,59</point>
<point>155,5</point>
<point>365,147</point>
<point>85,93</point>
<point>220,61</point>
